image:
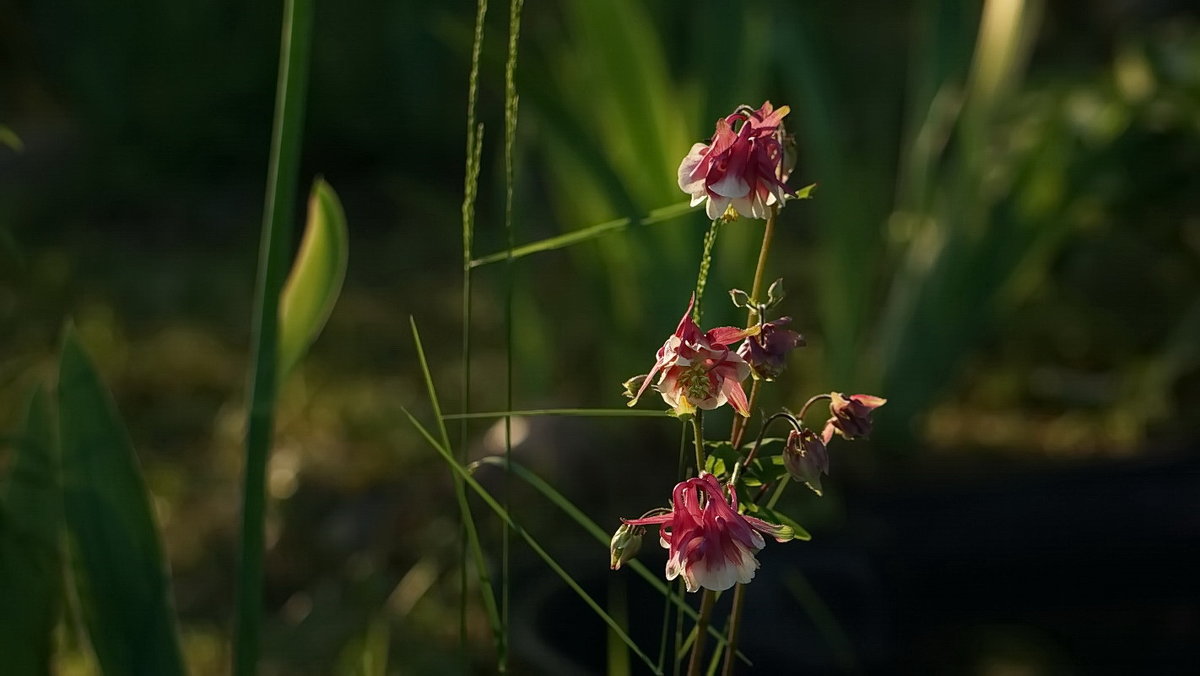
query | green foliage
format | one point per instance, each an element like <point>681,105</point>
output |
<point>30,545</point>
<point>120,573</point>
<point>315,281</point>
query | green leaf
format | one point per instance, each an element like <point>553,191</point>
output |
<point>30,553</point>
<point>9,138</point>
<point>659,215</point>
<point>315,281</point>
<point>119,569</point>
<point>771,516</point>
<point>806,192</point>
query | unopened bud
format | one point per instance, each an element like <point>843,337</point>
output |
<point>625,545</point>
<point>806,458</point>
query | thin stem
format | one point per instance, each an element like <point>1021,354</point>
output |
<point>739,424</point>
<point>735,614</point>
<point>470,189</point>
<point>760,270</point>
<point>698,435</point>
<point>662,644</point>
<point>706,606</point>
<point>762,432</point>
<point>705,263</point>
<point>811,400</point>
<point>510,140</point>
<point>274,253</point>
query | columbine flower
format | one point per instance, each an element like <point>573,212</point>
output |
<point>767,352</point>
<point>806,458</point>
<point>709,543</point>
<point>851,415</point>
<point>743,166</point>
<point>698,370</point>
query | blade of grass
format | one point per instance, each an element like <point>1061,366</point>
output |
<point>460,495</point>
<point>30,549</point>
<point>496,507</point>
<point>559,500</point>
<point>579,412</point>
<point>659,215</point>
<point>119,568</point>
<point>470,191</point>
<point>823,618</point>
<point>295,43</point>
<point>511,105</point>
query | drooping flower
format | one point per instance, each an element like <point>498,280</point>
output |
<point>745,165</point>
<point>698,369</point>
<point>806,458</point>
<point>767,352</point>
<point>708,542</point>
<point>851,415</point>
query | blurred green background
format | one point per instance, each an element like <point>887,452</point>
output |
<point>1004,242</point>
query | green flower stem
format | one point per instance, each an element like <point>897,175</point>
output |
<point>739,423</point>
<point>706,606</point>
<point>698,435</point>
<point>735,615</point>
<point>274,254</point>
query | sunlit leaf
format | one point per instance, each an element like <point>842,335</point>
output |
<point>9,138</point>
<point>315,281</point>
<point>120,573</point>
<point>30,555</point>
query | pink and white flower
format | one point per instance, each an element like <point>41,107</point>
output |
<point>743,166</point>
<point>708,542</point>
<point>698,369</point>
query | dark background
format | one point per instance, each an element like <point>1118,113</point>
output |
<point>1004,242</point>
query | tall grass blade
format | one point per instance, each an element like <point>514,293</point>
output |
<point>119,569</point>
<point>496,507</point>
<point>575,412</point>
<point>460,495</point>
<point>30,549</point>
<point>659,215</point>
<point>511,106</point>
<point>274,254</point>
<point>316,278</point>
<point>470,191</point>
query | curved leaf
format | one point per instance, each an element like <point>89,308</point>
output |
<point>315,281</point>
<point>119,569</point>
<point>30,554</point>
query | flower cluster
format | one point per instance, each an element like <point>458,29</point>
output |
<point>711,538</point>
<point>743,167</point>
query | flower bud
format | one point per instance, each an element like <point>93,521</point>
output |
<point>851,415</point>
<point>633,385</point>
<point>767,352</point>
<point>806,458</point>
<point>625,545</point>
